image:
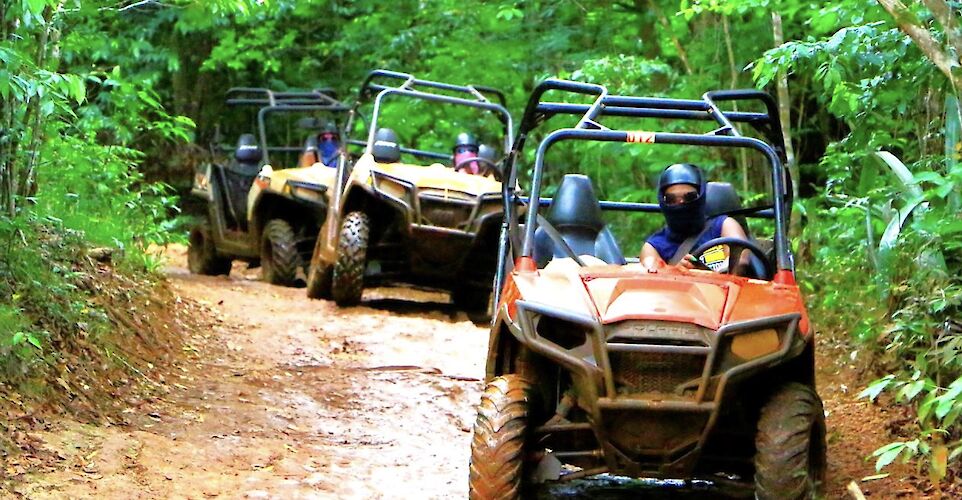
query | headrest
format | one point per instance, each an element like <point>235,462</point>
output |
<point>576,204</point>
<point>721,198</point>
<point>386,148</point>
<point>248,151</point>
<point>488,153</point>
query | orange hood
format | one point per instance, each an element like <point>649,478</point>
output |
<point>619,293</point>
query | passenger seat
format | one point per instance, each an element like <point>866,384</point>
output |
<point>576,213</point>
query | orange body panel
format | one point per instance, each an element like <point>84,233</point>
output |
<point>620,293</point>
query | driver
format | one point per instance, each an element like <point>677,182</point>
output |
<point>466,147</point>
<point>328,145</point>
<point>681,196</point>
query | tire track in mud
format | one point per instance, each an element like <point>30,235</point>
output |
<point>288,397</point>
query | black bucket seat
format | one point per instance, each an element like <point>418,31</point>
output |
<point>239,177</point>
<point>576,214</point>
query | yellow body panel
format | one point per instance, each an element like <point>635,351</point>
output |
<point>434,176</point>
<point>276,181</point>
<point>316,174</point>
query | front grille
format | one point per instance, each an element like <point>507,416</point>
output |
<point>444,213</point>
<point>643,372</point>
<point>655,372</point>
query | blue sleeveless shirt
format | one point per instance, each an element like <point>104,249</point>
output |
<point>667,246</point>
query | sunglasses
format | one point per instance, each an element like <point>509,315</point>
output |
<point>680,199</point>
<point>327,136</point>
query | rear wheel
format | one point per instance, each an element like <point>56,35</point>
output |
<point>348,276</point>
<point>500,432</point>
<point>790,445</point>
<point>202,255</point>
<point>279,257</point>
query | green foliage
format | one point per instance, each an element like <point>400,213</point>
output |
<point>95,98</point>
<point>884,234</point>
<point>72,131</point>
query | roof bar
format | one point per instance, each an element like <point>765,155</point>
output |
<point>409,82</point>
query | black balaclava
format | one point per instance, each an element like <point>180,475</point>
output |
<point>686,219</point>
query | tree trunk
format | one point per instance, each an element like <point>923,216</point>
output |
<point>666,24</point>
<point>785,117</point>
<point>733,73</point>
<point>923,38</point>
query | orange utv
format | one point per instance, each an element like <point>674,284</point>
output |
<point>597,365</point>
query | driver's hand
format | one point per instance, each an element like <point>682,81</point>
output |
<point>686,263</point>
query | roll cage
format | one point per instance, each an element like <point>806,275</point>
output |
<point>590,128</point>
<point>271,102</point>
<point>376,85</point>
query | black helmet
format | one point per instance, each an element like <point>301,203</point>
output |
<point>684,219</point>
<point>682,173</point>
<point>466,139</point>
<point>329,128</point>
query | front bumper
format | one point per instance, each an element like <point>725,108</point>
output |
<point>652,405</point>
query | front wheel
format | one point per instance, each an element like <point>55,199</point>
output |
<point>348,276</point>
<point>790,445</point>
<point>500,432</point>
<point>202,255</point>
<point>279,257</point>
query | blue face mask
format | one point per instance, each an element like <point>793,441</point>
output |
<point>685,219</point>
<point>328,149</point>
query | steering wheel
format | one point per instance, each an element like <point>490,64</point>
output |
<point>487,166</point>
<point>767,268</point>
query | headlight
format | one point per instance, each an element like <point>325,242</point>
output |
<point>307,194</point>
<point>391,188</point>
<point>751,345</point>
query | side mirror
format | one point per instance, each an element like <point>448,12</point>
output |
<point>385,151</point>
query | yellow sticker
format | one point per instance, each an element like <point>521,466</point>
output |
<point>713,255</point>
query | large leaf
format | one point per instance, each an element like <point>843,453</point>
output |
<point>894,228</point>
<point>901,172</point>
<point>36,6</point>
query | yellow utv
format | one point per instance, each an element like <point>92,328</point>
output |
<point>257,210</point>
<point>415,216</point>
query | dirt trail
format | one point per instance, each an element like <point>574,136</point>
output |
<point>285,397</point>
<point>292,398</point>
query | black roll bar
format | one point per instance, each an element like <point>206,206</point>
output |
<point>369,88</point>
<point>782,255</point>
<point>291,108</point>
<point>421,89</point>
<point>254,96</point>
<point>588,128</point>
